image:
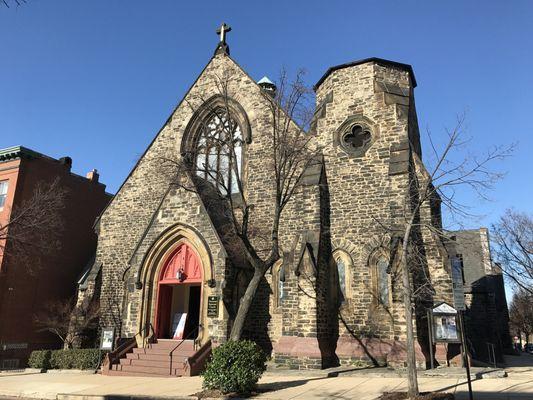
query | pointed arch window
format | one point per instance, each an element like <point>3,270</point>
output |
<point>278,284</point>
<point>382,281</point>
<point>219,151</point>
<point>343,264</point>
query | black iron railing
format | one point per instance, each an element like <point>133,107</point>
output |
<point>191,334</point>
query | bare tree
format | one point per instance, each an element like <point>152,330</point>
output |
<point>33,228</point>
<point>14,2</point>
<point>451,170</point>
<point>521,314</point>
<point>68,321</point>
<point>221,186</point>
<point>512,238</point>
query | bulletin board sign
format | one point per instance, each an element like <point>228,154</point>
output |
<point>212,306</point>
<point>108,337</point>
<point>444,324</point>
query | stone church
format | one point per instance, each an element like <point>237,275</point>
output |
<point>163,270</point>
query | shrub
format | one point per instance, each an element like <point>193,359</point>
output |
<point>235,367</point>
<point>40,359</point>
<point>75,359</point>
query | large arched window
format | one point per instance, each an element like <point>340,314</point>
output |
<point>219,151</point>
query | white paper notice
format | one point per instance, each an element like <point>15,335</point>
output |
<point>178,325</point>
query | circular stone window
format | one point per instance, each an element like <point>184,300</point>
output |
<point>355,138</point>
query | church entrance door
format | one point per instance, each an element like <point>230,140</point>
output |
<point>179,295</point>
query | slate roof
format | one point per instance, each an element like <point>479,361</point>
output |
<point>377,60</point>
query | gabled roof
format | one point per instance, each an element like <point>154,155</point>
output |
<point>405,67</point>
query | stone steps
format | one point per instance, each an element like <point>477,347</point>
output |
<point>153,363</point>
<point>154,360</point>
<point>152,370</point>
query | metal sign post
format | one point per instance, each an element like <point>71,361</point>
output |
<point>430,337</point>
<point>465,357</point>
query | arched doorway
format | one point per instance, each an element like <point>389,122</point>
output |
<point>179,293</point>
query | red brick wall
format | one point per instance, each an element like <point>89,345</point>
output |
<point>8,172</point>
<point>24,291</point>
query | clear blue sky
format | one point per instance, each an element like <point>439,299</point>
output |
<point>95,80</point>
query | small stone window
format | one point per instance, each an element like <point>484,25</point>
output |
<point>382,281</point>
<point>355,135</point>
<point>341,271</point>
<point>343,263</point>
<point>356,138</point>
<point>278,283</point>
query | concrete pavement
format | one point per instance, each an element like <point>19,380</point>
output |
<point>274,386</point>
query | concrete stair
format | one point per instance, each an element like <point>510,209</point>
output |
<point>155,360</point>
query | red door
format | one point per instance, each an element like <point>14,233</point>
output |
<point>165,305</point>
<point>181,267</point>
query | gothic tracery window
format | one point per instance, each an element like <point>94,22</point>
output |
<point>219,151</point>
<point>357,137</point>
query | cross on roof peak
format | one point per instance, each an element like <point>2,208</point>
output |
<point>222,47</point>
<point>224,28</point>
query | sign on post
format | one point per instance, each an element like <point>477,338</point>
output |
<point>444,324</point>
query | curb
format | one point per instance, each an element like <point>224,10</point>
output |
<point>67,396</point>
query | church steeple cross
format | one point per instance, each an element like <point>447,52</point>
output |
<point>222,47</point>
<point>222,32</point>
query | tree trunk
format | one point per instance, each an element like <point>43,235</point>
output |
<point>245,304</point>
<point>410,340</point>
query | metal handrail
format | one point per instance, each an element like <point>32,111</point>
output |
<point>112,355</point>
<point>197,331</point>
<point>146,338</point>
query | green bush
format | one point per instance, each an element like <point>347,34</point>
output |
<point>235,367</point>
<point>40,359</point>
<point>65,359</point>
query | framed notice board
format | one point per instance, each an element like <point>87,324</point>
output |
<point>212,306</point>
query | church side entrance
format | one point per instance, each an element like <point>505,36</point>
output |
<point>179,295</point>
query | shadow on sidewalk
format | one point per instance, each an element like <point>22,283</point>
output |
<point>274,386</point>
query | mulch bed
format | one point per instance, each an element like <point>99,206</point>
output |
<point>422,396</point>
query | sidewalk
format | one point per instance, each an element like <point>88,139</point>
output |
<point>274,386</point>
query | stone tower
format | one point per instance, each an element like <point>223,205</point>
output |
<point>366,123</point>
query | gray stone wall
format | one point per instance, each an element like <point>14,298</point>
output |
<point>368,192</point>
<point>350,203</point>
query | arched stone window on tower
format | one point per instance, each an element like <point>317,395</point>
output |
<point>219,151</point>
<point>343,263</point>
<point>278,283</point>
<point>381,281</point>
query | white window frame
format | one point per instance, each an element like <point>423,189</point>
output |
<point>4,187</point>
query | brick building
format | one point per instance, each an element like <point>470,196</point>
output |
<point>24,288</point>
<point>332,298</point>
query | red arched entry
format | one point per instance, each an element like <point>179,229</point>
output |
<point>178,293</point>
